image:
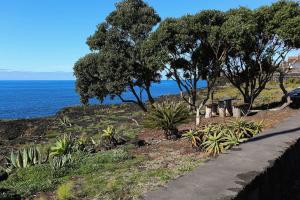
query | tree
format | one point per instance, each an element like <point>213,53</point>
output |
<point>120,67</point>
<point>190,50</point>
<point>259,41</point>
<point>89,82</point>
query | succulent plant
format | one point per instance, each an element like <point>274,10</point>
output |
<point>59,162</point>
<point>26,157</point>
<point>62,146</point>
<point>167,116</point>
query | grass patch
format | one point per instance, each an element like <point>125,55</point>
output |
<point>107,175</point>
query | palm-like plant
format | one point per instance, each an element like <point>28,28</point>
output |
<point>167,116</point>
<point>194,137</point>
<point>62,146</point>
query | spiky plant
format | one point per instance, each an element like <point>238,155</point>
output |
<point>61,161</point>
<point>109,137</point>
<point>232,139</point>
<point>194,138</point>
<point>26,157</point>
<point>246,128</point>
<point>62,146</point>
<point>213,138</point>
<point>167,116</point>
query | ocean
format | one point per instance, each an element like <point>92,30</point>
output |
<point>30,99</point>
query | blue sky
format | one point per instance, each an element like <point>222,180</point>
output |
<point>50,35</point>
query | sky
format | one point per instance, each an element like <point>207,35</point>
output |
<point>42,36</point>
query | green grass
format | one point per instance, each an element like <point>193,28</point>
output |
<point>107,175</point>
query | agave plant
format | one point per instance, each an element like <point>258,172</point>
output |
<point>213,139</point>
<point>232,139</point>
<point>109,137</point>
<point>246,128</point>
<point>194,137</point>
<point>59,162</point>
<point>62,146</point>
<point>167,116</point>
<point>26,157</point>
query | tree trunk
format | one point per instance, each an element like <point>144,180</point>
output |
<point>208,111</point>
<point>150,98</point>
<point>281,83</point>
<point>197,117</point>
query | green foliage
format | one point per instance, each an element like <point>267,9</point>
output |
<point>30,180</point>
<point>26,157</point>
<point>194,137</point>
<point>213,139</point>
<point>62,146</point>
<point>232,139</point>
<point>118,43</point>
<point>167,116</point>
<point>108,136</point>
<point>62,161</point>
<point>220,137</point>
<point>258,42</point>
<point>64,191</point>
<point>190,49</point>
<point>246,129</point>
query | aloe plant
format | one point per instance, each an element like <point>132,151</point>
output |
<point>167,116</point>
<point>213,143</point>
<point>246,128</point>
<point>62,146</point>
<point>232,139</point>
<point>194,137</point>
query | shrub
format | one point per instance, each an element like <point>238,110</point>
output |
<point>194,137</point>
<point>167,116</point>
<point>62,146</point>
<point>64,191</point>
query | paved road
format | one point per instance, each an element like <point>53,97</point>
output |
<point>224,177</point>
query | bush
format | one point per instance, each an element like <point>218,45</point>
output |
<point>167,116</point>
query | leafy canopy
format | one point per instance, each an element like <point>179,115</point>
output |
<point>119,66</point>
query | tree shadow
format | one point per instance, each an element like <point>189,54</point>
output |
<point>264,136</point>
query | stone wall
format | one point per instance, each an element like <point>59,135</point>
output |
<point>278,182</point>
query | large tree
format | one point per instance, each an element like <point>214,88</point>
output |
<point>190,49</point>
<point>118,42</point>
<point>259,41</point>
